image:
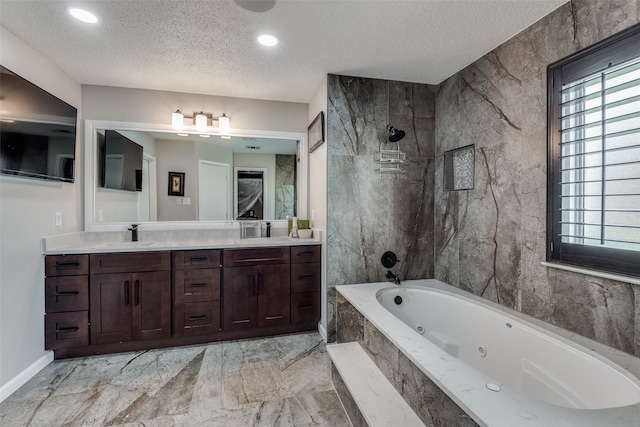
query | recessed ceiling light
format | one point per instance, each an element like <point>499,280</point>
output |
<point>256,5</point>
<point>267,40</point>
<point>83,15</point>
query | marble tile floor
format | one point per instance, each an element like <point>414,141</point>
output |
<point>277,381</point>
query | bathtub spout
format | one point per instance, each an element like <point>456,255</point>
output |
<point>394,277</point>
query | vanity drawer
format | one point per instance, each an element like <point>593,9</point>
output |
<point>66,293</point>
<point>66,265</point>
<point>305,307</point>
<point>62,330</point>
<point>305,277</point>
<point>196,285</point>
<point>199,318</point>
<point>190,260</point>
<point>129,262</point>
<point>257,256</point>
<point>304,254</point>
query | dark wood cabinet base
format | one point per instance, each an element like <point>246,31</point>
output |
<point>119,302</point>
<point>97,349</point>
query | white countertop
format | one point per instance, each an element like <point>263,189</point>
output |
<point>84,243</point>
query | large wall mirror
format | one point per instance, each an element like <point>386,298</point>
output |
<point>190,179</point>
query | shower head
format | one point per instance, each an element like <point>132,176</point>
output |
<point>395,135</point>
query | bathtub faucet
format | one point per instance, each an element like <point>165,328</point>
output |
<point>394,277</point>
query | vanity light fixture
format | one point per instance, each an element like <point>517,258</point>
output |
<point>200,121</point>
<point>83,15</point>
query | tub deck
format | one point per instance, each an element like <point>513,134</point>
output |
<point>467,387</point>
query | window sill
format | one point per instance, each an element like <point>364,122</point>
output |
<point>588,272</point>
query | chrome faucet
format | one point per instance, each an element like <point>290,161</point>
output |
<point>134,232</point>
<point>394,277</point>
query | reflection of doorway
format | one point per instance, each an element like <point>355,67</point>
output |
<point>147,197</point>
<point>213,191</point>
<point>249,191</point>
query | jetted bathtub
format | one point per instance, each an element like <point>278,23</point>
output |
<point>496,364</point>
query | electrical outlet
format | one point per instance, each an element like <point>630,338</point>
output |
<point>178,200</point>
<point>100,215</point>
<point>186,200</point>
<point>58,219</point>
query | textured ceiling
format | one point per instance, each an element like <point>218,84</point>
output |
<point>209,47</point>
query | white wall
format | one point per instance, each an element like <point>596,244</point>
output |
<point>27,213</point>
<point>153,106</point>
<point>177,156</point>
<point>318,188</point>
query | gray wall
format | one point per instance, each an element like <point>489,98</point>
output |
<point>27,212</point>
<point>368,214</point>
<point>491,240</point>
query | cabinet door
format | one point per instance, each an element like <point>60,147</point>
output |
<point>240,299</point>
<point>151,305</point>
<point>273,295</point>
<point>110,307</point>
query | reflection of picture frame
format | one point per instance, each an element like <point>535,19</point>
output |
<point>315,132</point>
<point>176,184</point>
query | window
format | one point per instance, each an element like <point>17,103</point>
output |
<point>593,217</point>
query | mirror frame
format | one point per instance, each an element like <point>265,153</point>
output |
<point>91,166</point>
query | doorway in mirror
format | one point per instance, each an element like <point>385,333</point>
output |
<point>213,191</point>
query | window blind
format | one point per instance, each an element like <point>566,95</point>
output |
<point>599,158</point>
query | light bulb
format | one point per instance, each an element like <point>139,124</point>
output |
<point>83,15</point>
<point>223,124</point>
<point>177,120</point>
<point>201,122</point>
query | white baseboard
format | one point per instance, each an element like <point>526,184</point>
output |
<point>323,331</point>
<point>19,380</point>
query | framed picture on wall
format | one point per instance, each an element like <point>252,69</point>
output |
<point>315,132</point>
<point>176,184</point>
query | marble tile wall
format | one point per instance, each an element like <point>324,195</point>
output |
<point>369,214</point>
<point>430,403</point>
<point>285,185</point>
<point>491,240</point>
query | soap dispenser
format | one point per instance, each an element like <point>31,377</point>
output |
<point>294,228</point>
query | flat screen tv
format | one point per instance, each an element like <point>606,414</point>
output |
<point>121,160</point>
<point>37,131</point>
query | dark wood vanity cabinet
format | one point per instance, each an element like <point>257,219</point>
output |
<point>128,302</point>
<point>111,302</point>
<point>196,292</point>
<point>66,301</point>
<point>256,288</point>
<point>305,284</point>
